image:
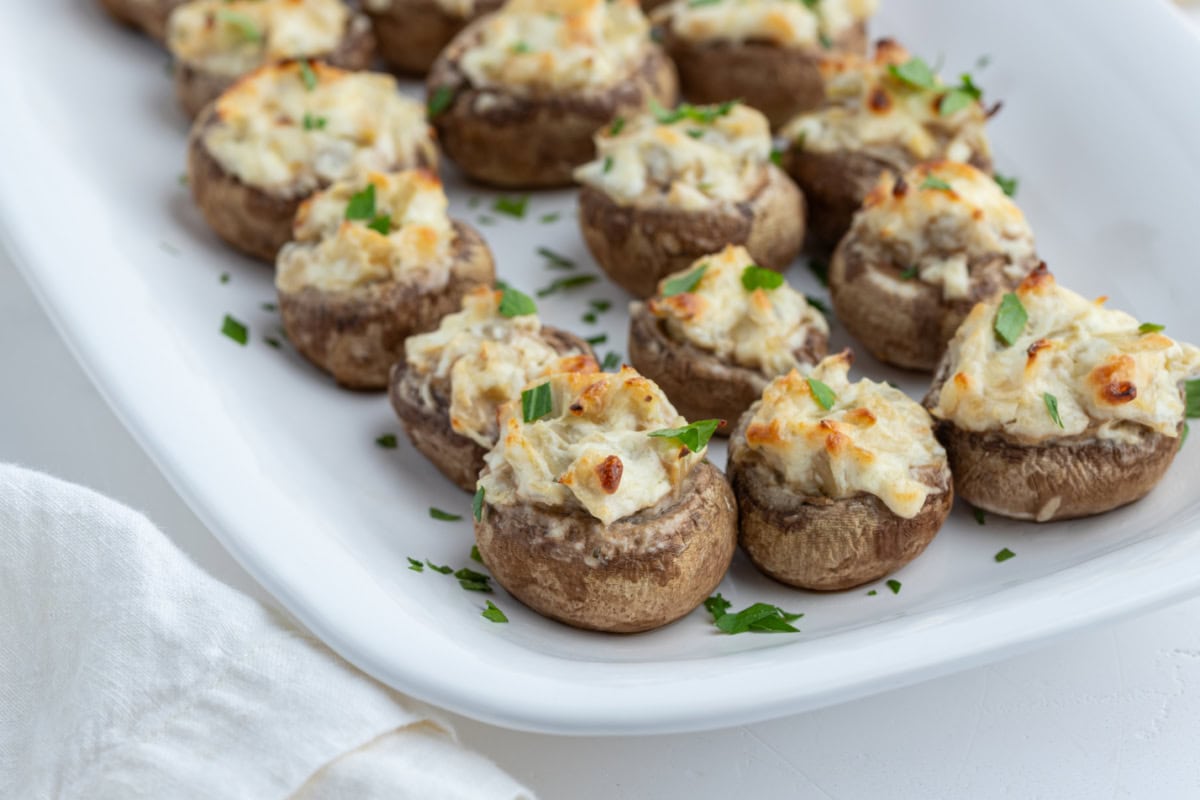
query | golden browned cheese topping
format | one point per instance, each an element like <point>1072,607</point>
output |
<point>689,158</point>
<point>487,358</point>
<point>869,109</point>
<point>592,451</point>
<point>1107,378</point>
<point>233,37</point>
<point>298,126</point>
<point>341,243</point>
<point>557,45</point>
<point>757,328</point>
<point>788,23</point>
<point>939,218</point>
<point>872,438</point>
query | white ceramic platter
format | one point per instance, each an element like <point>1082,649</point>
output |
<point>1100,124</point>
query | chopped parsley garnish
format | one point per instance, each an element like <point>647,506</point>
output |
<point>439,101</point>
<point>777,157</point>
<point>546,219</point>
<point>758,618</point>
<point>224,277</point>
<point>698,3</point>
<point>1192,392</point>
<point>1010,319</point>
<point>520,47</point>
<point>1004,555</point>
<point>979,516</point>
<point>572,282</point>
<point>273,342</point>
<point>705,115</point>
<point>308,76</point>
<point>826,42</point>
<point>754,277</point>
<point>694,436</point>
<point>934,182</point>
<point>611,362</point>
<point>872,593</point>
<point>817,304</point>
<point>914,73</point>
<point>268,307</point>
<point>493,614</point>
<point>313,123</point>
<point>617,126</point>
<point>1183,436</point>
<point>387,441</point>
<point>600,305</point>
<point>444,569</point>
<point>362,204</point>
<point>475,554</point>
<point>608,162</point>
<point>415,566</point>
<point>515,303</point>
<point>512,206</point>
<point>597,340</point>
<point>1052,406</point>
<point>695,133</point>
<point>822,393</point>
<point>444,516</point>
<point>485,219</point>
<point>820,270</point>
<point>1007,185</point>
<point>536,402</point>
<point>245,26</point>
<point>473,581</point>
<point>684,283</point>
<point>1150,327</point>
<point>909,274</point>
<point>960,96</point>
<point>382,224</point>
<point>554,260</point>
<point>477,504</point>
<point>894,585</point>
<point>235,330</point>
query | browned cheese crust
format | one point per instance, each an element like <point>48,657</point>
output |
<point>712,72</point>
<point>1067,478</point>
<point>880,309</point>
<point>253,220</point>
<point>640,246</point>
<point>681,548</point>
<point>358,334</point>
<point>411,33</point>
<point>428,426</point>
<point>196,87</point>
<point>698,383</point>
<point>820,543</point>
<point>537,141</point>
<point>149,16</point>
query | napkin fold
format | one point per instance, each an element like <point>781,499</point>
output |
<point>127,672</point>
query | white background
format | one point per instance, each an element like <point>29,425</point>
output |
<point>1113,712</point>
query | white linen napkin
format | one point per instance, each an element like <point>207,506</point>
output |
<point>127,672</point>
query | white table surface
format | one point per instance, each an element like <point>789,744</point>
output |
<point>1111,712</point>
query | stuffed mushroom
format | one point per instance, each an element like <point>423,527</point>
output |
<point>518,94</point>
<point>148,16</point>
<point>372,262</point>
<point>287,130</point>
<point>715,335</point>
<point>597,507</point>
<point>215,42</point>
<point>1052,407</point>
<point>766,53</point>
<point>838,483</point>
<point>670,186</point>
<point>922,251</point>
<point>886,113</point>
<point>411,33</point>
<point>449,384</point>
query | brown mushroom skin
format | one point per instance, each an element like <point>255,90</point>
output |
<point>821,543</point>
<point>254,220</point>
<point>682,548</point>
<point>906,323</point>
<point>358,334</point>
<point>411,33</point>
<point>428,427</point>
<point>698,383</point>
<point>639,246</point>
<point>514,141</point>
<point>712,72</point>
<point>148,16</point>
<point>196,87</point>
<point>835,185</point>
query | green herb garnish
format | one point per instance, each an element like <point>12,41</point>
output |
<point>224,277</point>
<point>608,162</point>
<point>572,282</point>
<point>1004,555</point>
<point>758,618</point>
<point>415,566</point>
<point>382,224</point>
<point>244,25</point>
<point>611,362</point>
<point>493,614</point>
<point>617,126</point>
<point>705,115</point>
<point>694,436</point>
<point>909,274</point>
<point>268,306</point>
<point>442,568</point>
<point>894,585</point>
<point>515,303</point>
<point>754,277</point>
<point>473,581</point>
<point>387,441</point>
<point>698,3</point>
<point>934,182</point>
<point>979,516</point>
<point>546,219</point>
<point>312,123</point>
<point>1192,395</point>
<point>362,204</point>
<point>512,206</point>
<point>1007,185</point>
<point>1052,406</point>
<point>555,260</point>
<point>477,504</point>
<point>1150,327</point>
<point>444,516</point>
<point>915,73</point>
<point>960,96</point>
<point>684,283</point>
<point>872,593</point>
<point>308,76</point>
<point>520,48</point>
<point>820,270</point>
<point>536,402</point>
<point>817,304</point>
<point>273,342</point>
<point>235,330</point>
<point>1010,319</point>
<point>439,101</point>
<point>777,157</point>
<point>597,340</point>
<point>821,392</point>
<point>475,554</point>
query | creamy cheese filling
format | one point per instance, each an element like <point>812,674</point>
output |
<point>233,37</point>
<point>592,451</point>
<point>869,109</point>
<point>463,9</point>
<point>295,127</point>
<point>758,328</point>
<point>1105,377</point>
<point>873,438</point>
<point>487,359</point>
<point>390,227</point>
<point>788,23</point>
<point>688,158</point>
<point>938,219</point>
<point>557,45</point>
